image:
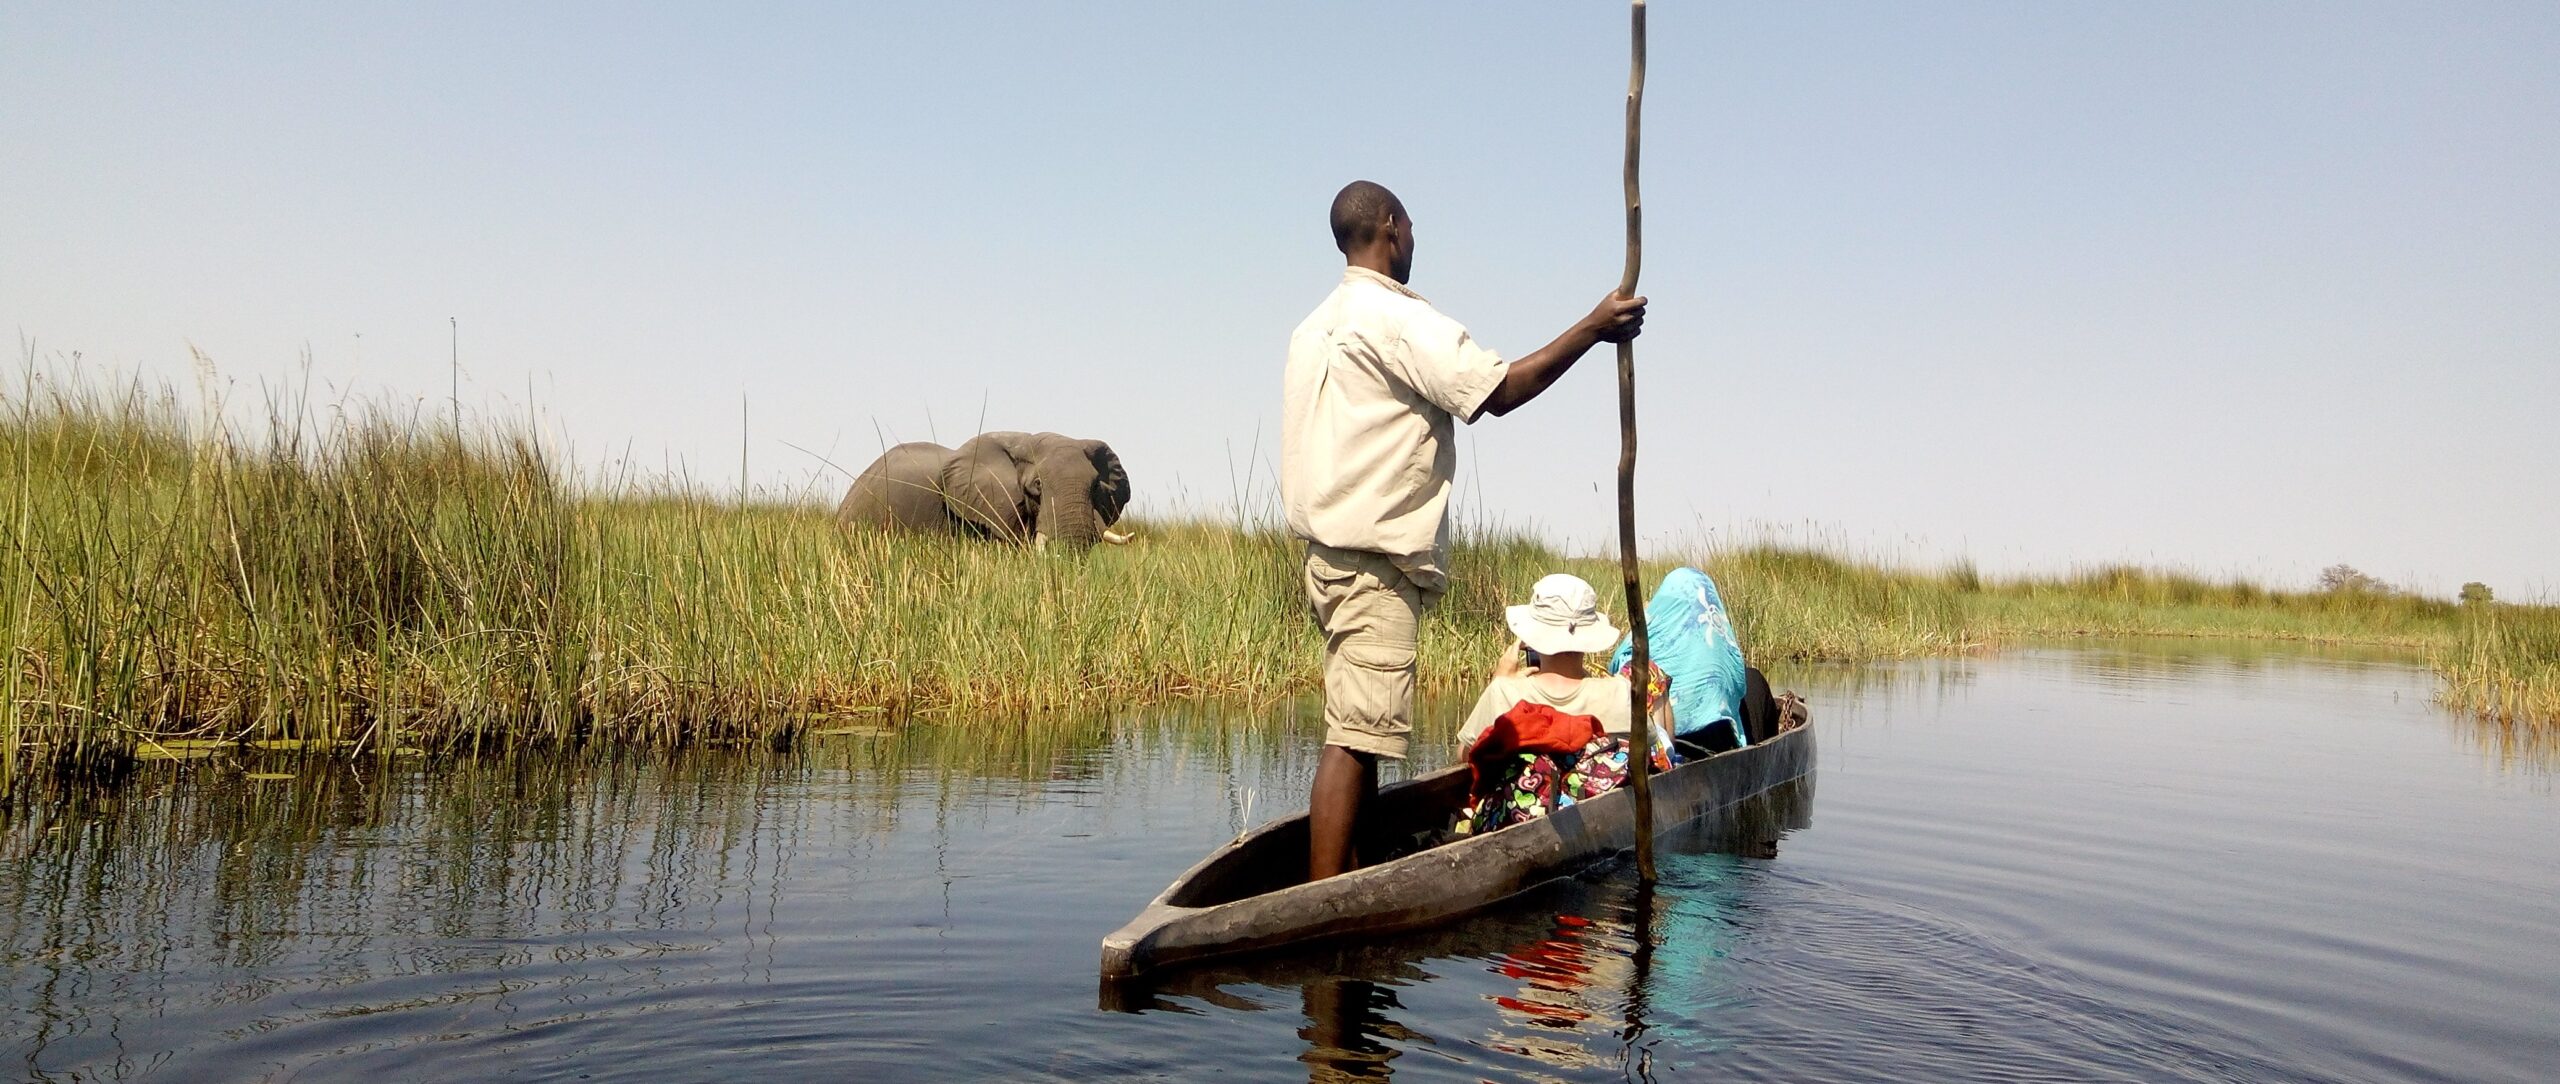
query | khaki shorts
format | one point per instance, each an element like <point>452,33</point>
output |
<point>1371,613</point>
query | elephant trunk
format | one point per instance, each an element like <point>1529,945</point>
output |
<point>1067,516</point>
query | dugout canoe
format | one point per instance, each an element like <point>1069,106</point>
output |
<point>1251,895</point>
<point>1753,826</point>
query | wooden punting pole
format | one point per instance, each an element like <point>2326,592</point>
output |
<point>1640,669</point>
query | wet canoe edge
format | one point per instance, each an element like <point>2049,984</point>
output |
<point>1233,903</point>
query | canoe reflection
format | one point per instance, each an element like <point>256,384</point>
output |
<point>1580,951</point>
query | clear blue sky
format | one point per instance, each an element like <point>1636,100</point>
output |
<point>2242,288</point>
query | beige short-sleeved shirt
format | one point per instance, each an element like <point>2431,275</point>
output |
<point>1603,698</point>
<point>1375,377</point>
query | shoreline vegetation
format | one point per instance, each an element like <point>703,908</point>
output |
<point>376,585</point>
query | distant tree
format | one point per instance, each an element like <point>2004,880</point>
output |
<point>2346,579</point>
<point>2476,593</point>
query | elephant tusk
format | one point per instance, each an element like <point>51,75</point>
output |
<point>1118,538</point>
<point>1039,541</point>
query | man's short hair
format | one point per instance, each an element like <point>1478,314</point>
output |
<point>1357,212</point>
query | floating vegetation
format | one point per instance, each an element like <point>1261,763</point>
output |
<point>179,749</point>
<point>881,731</point>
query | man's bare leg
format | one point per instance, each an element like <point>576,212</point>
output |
<point>1345,781</point>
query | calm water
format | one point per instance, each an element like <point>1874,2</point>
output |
<point>2115,862</point>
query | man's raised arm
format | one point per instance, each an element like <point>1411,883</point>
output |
<point>1615,319</point>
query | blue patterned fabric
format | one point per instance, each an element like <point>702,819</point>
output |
<point>1691,639</point>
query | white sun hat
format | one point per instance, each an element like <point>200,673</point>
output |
<point>1563,615</point>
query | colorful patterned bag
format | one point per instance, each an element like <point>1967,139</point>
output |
<point>1541,783</point>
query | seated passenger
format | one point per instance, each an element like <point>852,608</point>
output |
<point>1546,733</point>
<point>1717,702</point>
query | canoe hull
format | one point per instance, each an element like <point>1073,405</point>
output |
<point>1221,907</point>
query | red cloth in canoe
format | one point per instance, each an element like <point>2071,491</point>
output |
<point>1528,728</point>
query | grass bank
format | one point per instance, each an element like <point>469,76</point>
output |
<point>386,584</point>
<point>2504,664</point>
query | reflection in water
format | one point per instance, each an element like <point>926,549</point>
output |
<point>2085,863</point>
<point>1575,978</point>
<point>1348,1030</point>
<point>2123,661</point>
<point>1574,975</point>
<point>342,882</point>
<point>254,902</point>
<point>1588,984</point>
<point>2162,671</point>
<point>2512,745</point>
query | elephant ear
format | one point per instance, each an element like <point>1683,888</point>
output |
<point>983,486</point>
<point>1110,483</point>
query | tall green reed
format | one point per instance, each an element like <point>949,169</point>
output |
<point>2505,663</point>
<point>373,581</point>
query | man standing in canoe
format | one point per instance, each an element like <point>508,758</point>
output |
<point>1375,377</point>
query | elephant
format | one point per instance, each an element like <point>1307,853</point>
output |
<point>1039,489</point>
